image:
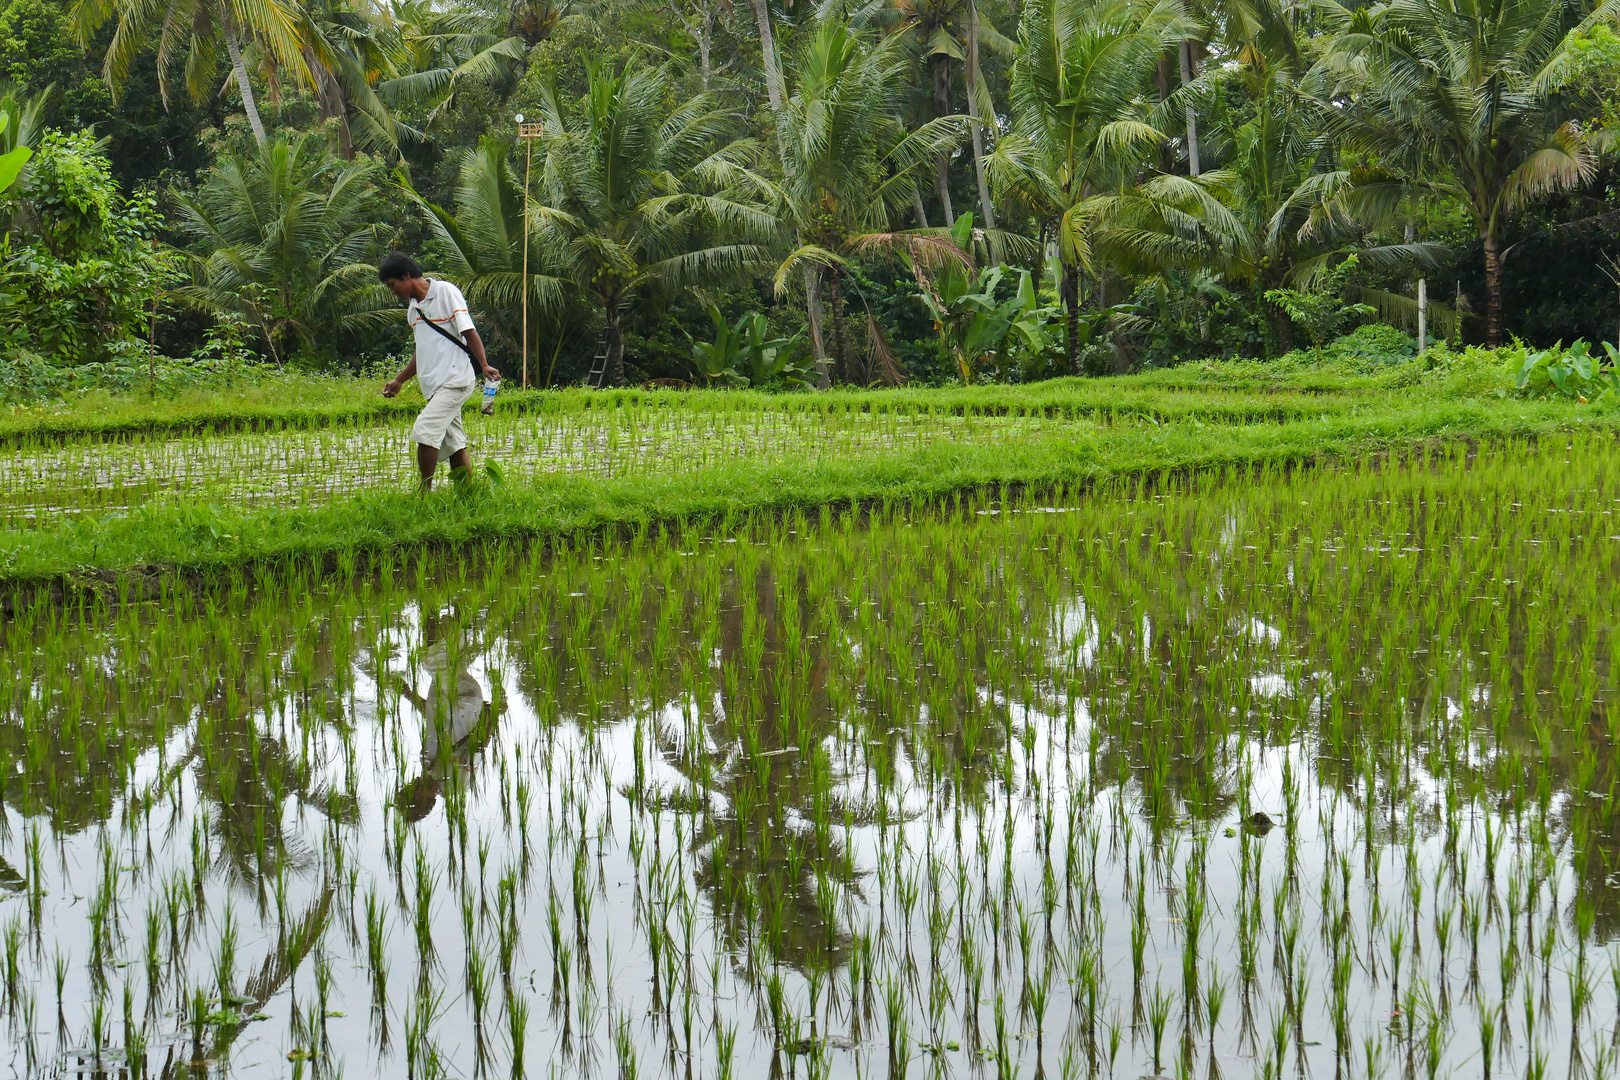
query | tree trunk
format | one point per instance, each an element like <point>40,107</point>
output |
<point>973,111</point>
<point>1493,290</point>
<point>615,341</point>
<point>1285,329</point>
<point>1161,80</point>
<point>835,297</point>
<point>1188,73</point>
<point>942,107</point>
<point>812,306</point>
<point>1069,287</point>
<point>919,210</point>
<point>243,84</point>
<point>1038,269</point>
<point>333,104</point>
<point>705,30</point>
<point>767,47</point>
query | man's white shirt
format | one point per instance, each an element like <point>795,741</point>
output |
<point>439,362</point>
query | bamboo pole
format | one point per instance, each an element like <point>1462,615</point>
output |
<point>528,133</point>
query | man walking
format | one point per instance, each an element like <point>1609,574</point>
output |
<point>446,345</point>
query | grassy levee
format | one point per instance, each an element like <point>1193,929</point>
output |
<point>284,404</point>
<point>308,403</point>
<point>1248,377</point>
<point>193,537</point>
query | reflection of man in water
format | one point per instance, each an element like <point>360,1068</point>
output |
<point>457,722</point>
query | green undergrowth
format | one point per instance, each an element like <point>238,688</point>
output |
<point>197,537</point>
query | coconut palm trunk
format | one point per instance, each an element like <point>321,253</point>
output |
<point>244,85</point>
<point>1284,327</point>
<point>978,120</point>
<point>1070,289</point>
<point>613,334</point>
<point>818,341</point>
<point>705,32</point>
<point>767,48</point>
<point>942,107</point>
<point>835,297</point>
<point>332,104</point>
<point>1493,287</point>
<point>1188,73</point>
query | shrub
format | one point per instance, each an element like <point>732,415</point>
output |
<point>1572,373</point>
<point>79,260</point>
<point>1476,371</point>
<point>1376,343</point>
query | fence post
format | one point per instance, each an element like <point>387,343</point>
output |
<point>1423,314</point>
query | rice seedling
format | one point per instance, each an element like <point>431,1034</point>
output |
<point>1280,763</point>
<point>48,478</point>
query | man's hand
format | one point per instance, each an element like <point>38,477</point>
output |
<point>491,373</point>
<point>391,388</point>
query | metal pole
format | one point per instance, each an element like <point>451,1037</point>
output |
<point>528,160</point>
<point>1423,314</point>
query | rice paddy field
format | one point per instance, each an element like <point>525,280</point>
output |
<point>313,467</point>
<point>52,472</point>
<point>1254,771</point>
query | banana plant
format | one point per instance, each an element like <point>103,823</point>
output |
<point>11,164</point>
<point>742,354</point>
<point>717,360</point>
<point>775,358</point>
<point>972,323</point>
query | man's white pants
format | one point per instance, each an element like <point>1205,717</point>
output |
<point>439,423</point>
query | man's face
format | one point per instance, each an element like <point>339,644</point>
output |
<point>400,287</point>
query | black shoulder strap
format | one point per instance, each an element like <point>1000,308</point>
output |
<point>442,332</point>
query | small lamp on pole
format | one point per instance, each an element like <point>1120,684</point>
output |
<point>528,133</point>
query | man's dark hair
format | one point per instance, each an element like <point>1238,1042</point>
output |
<point>397,267</point>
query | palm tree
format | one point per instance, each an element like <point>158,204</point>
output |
<point>1458,95</point>
<point>359,56</point>
<point>189,32</point>
<point>485,237</point>
<point>639,193</point>
<point>1244,29</point>
<point>1278,213</point>
<point>1081,118</point>
<point>289,237</point>
<point>849,164</point>
<point>774,83</point>
<point>949,30</point>
<point>442,49</point>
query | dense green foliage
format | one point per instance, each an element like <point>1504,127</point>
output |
<point>1148,182</point>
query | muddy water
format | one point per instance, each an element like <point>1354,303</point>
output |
<point>1256,776</point>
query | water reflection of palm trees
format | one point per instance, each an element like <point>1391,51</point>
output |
<point>456,721</point>
<point>793,727</point>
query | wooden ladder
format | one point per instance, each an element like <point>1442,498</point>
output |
<point>598,365</point>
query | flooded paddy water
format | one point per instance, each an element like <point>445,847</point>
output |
<point>1249,775</point>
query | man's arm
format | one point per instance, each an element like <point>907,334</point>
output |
<point>475,346</point>
<point>393,386</point>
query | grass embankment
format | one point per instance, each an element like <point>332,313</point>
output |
<point>268,404</point>
<point>305,403</point>
<point>190,537</point>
